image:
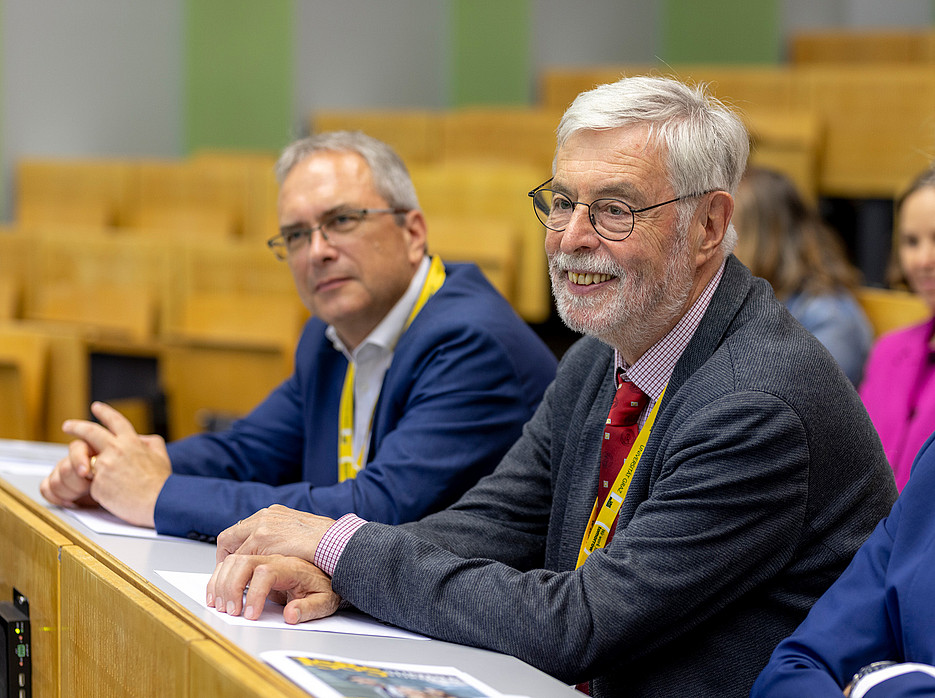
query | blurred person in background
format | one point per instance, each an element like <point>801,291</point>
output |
<point>783,240</point>
<point>899,383</point>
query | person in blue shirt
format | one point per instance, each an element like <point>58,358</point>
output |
<point>411,380</point>
<point>782,239</point>
<point>872,633</point>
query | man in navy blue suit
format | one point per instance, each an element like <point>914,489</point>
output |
<point>411,380</point>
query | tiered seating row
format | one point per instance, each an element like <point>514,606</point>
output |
<point>83,292</point>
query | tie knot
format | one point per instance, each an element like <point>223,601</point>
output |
<point>629,401</point>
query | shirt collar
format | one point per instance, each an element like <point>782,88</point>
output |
<point>387,333</point>
<point>653,369</point>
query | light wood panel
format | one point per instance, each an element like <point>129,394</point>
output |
<point>505,134</point>
<point>29,562</point>
<point>60,355</point>
<point>109,286</point>
<point>414,134</point>
<point>880,127</point>
<point>16,249</point>
<point>15,420</point>
<point>232,291</point>
<point>559,86</point>
<point>230,329</point>
<point>192,189</point>
<point>24,356</point>
<point>116,641</point>
<point>492,244</point>
<point>889,310</point>
<point>788,141</point>
<point>477,191</point>
<point>84,191</point>
<point>66,393</point>
<point>217,673</point>
<point>204,380</point>
<point>259,208</point>
<point>841,46</point>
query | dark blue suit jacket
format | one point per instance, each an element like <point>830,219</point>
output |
<point>465,377</point>
<point>881,608</point>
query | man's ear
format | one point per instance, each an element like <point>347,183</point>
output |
<point>417,232</point>
<point>714,219</point>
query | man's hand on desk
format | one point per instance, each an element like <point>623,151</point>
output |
<point>299,585</point>
<point>273,552</point>
<point>113,465</point>
<point>276,530</point>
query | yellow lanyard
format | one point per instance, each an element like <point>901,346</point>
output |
<point>595,535</point>
<point>348,467</point>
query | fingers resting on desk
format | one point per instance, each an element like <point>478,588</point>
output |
<point>275,530</point>
<point>112,464</point>
<point>70,479</point>
<point>299,585</point>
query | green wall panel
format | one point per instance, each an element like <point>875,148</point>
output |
<point>721,31</point>
<point>491,61</point>
<point>238,65</point>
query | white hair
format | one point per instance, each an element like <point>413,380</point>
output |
<point>706,144</point>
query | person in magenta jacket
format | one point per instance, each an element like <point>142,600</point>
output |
<point>898,388</point>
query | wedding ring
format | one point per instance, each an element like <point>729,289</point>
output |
<point>93,461</point>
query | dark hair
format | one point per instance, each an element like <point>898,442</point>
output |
<point>786,241</point>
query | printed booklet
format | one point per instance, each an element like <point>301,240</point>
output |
<point>340,677</point>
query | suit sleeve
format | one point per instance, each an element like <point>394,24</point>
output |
<point>862,617</point>
<point>218,479</point>
<point>667,571</point>
<point>445,418</point>
<point>846,629</point>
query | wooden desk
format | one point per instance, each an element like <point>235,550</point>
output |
<point>106,624</point>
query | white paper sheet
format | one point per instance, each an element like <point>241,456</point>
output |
<point>102,521</point>
<point>25,466</point>
<point>193,584</point>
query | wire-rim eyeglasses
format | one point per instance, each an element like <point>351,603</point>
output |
<point>612,219</point>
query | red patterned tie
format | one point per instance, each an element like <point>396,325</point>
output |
<point>619,434</point>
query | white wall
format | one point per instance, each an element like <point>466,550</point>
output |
<point>359,53</point>
<point>89,78</point>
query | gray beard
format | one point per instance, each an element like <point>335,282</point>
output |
<point>642,308</point>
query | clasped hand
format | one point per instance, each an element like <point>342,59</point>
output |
<point>271,554</point>
<point>110,464</point>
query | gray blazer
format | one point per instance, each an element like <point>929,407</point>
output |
<point>762,477</point>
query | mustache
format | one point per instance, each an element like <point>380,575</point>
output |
<point>588,263</point>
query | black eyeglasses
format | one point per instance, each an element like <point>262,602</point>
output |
<point>612,219</point>
<point>334,229</point>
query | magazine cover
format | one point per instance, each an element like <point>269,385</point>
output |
<point>340,677</point>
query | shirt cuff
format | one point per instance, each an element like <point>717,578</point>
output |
<point>865,686</point>
<point>334,541</point>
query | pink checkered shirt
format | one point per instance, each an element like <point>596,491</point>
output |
<point>334,541</point>
<point>650,373</point>
<point>653,369</point>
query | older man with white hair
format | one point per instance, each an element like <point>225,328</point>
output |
<point>697,474</point>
